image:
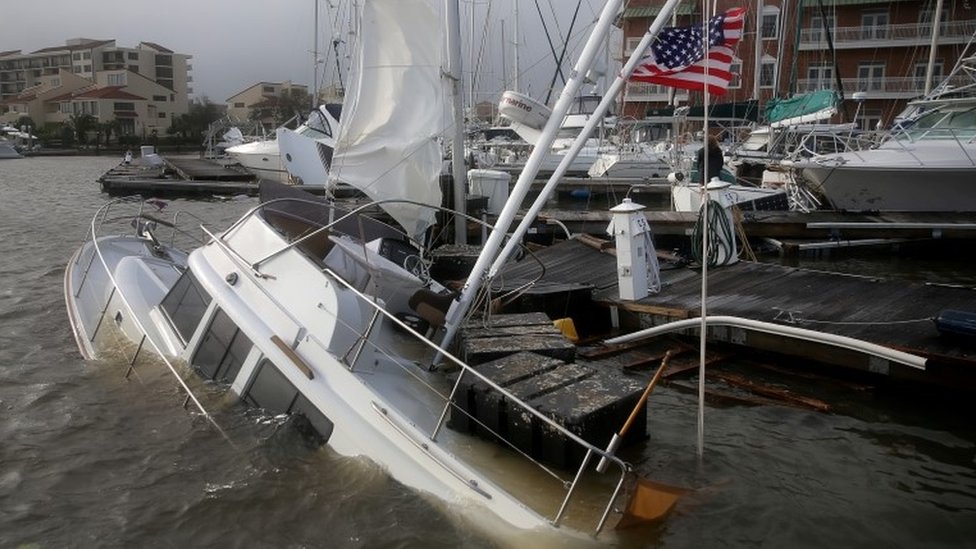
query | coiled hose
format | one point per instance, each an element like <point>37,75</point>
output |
<point>720,235</point>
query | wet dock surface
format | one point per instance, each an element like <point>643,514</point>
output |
<point>893,313</point>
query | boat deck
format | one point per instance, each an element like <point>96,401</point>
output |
<point>892,313</point>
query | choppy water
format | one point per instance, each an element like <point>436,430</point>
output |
<point>88,459</point>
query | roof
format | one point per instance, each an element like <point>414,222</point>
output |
<point>157,47</point>
<point>84,46</point>
<point>652,11</point>
<point>9,52</point>
<point>109,92</point>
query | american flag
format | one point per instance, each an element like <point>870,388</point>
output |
<point>677,59</point>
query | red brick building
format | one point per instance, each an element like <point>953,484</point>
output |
<point>880,51</point>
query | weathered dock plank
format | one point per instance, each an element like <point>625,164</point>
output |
<point>893,313</point>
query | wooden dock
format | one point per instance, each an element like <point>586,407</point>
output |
<point>820,224</point>
<point>183,176</point>
<point>892,313</point>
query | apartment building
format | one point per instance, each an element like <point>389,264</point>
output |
<point>262,94</point>
<point>151,84</point>
<point>874,52</point>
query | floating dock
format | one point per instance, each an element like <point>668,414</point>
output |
<point>183,176</point>
<point>580,278</point>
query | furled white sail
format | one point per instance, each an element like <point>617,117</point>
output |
<point>396,109</point>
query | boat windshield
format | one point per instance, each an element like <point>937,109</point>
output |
<point>316,126</point>
<point>943,123</point>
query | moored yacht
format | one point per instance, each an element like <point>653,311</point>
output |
<point>927,163</point>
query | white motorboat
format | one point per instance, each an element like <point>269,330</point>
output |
<point>307,151</point>
<point>8,142</point>
<point>261,158</point>
<point>927,163</point>
<point>300,307</point>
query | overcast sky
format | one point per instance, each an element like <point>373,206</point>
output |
<point>235,44</point>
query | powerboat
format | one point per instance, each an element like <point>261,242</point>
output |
<point>306,308</point>
<point>261,158</point>
<point>307,150</point>
<point>927,162</point>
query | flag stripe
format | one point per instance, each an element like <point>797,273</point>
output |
<point>676,58</point>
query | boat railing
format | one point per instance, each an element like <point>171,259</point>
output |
<point>450,406</point>
<point>108,215</point>
<point>102,217</point>
<point>449,400</point>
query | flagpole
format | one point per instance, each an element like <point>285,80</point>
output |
<point>704,254</point>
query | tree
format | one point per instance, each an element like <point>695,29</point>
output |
<point>81,125</point>
<point>281,108</point>
<point>193,125</point>
<point>25,122</point>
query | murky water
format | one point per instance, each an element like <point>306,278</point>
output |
<point>90,459</point>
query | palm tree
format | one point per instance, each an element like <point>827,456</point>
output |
<point>82,124</point>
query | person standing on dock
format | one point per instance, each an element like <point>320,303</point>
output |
<point>127,159</point>
<point>715,159</point>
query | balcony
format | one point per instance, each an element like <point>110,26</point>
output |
<point>639,92</point>
<point>901,87</point>
<point>847,38</point>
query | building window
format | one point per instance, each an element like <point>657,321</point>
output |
<point>870,119</point>
<point>870,76</point>
<point>239,105</point>
<point>821,77</point>
<point>55,82</point>
<point>133,55</point>
<point>65,108</point>
<point>767,73</point>
<point>160,98</point>
<point>874,25</point>
<point>921,70</point>
<point>76,56</point>
<point>817,26</point>
<point>162,115</point>
<point>134,68</point>
<point>270,89</point>
<point>926,17</point>
<point>770,22</point>
<point>87,68</point>
<point>117,106</point>
<point>736,70</point>
<point>116,79</point>
<point>86,55</point>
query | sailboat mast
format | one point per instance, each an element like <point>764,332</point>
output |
<point>315,58</point>
<point>457,145</point>
<point>930,70</point>
<point>459,308</point>
<point>515,80</point>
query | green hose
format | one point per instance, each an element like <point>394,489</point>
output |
<point>720,234</point>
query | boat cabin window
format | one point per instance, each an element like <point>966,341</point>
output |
<point>585,104</point>
<point>272,391</point>
<point>945,124</point>
<point>222,350</point>
<point>185,305</point>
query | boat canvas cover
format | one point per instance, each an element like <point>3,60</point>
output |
<point>396,109</point>
<point>809,107</point>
